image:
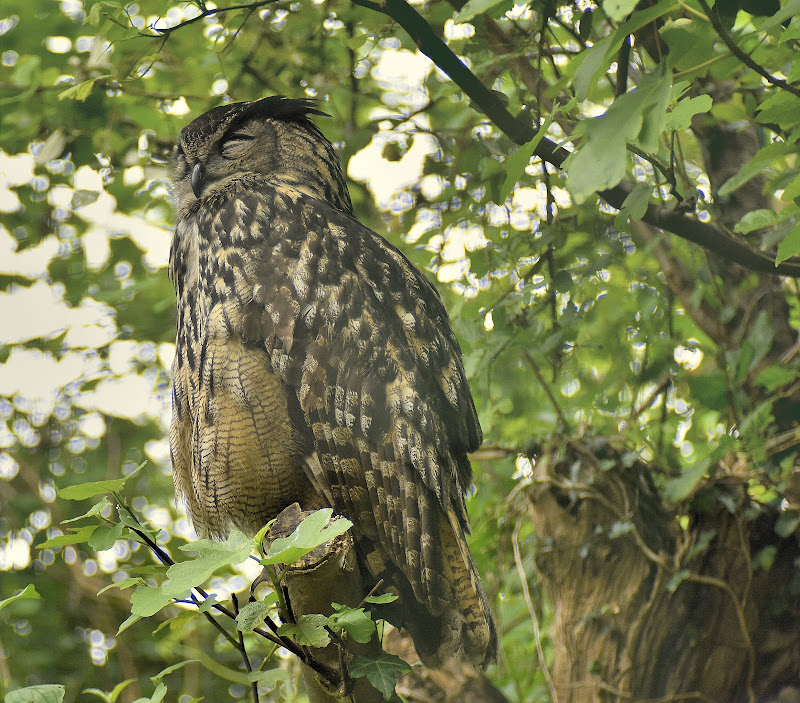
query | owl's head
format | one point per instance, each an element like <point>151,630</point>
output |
<point>273,137</point>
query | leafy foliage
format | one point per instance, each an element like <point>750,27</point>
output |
<point>576,316</point>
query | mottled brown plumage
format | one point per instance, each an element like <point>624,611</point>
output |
<point>316,364</point>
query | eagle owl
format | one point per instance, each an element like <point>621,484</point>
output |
<point>315,364</point>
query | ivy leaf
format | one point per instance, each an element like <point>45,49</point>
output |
<point>148,600</point>
<point>46,693</point>
<point>355,621</point>
<point>252,615</point>
<point>211,556</point>
<point>309,534</point>
<point>382,672</point>
<point>27,593</point>
<point>309,631</point>
<point>105,536</point>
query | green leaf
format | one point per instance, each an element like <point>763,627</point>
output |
<point>774,377</point>
<point>619,528</point>
<point>382,673</point>
<point>702,543</point>
<point>81,491</point>
<point>763,158</point>
<point>788,11</point>
<point>148,600</point>
<point>95,511</point>
<point>618,10</point>
<point>157,697</point>
<point>45,693</point>
<point>680,487</point>
<point>252,615</point>
<point>638,117</point>
<point>112,696</point>
<point>677,580</point>
<point>309,534</point>
<point>27,593</point>
<point>518,161</point>
<point>175,667</point>
<point>635,204</point>
<point>691,44</point>
<point>100,10</point>
<point>600,56</point>
<point>105,536</point>
<point>81,91</point>
<point>27,71</point>
<point>122,584</point>
<point>756,219</point>
<point>711,389</point>
<point>76,537</point>
<point>681,115</point>
<point>355,621</point>
<point>764,558</point>
<point>309,631</point>
<point>211,556</point>
<point>385,598</point>
<point>592,63</point>
<point>789,246</point>
<point>473,8</point>
<point>787,524</point>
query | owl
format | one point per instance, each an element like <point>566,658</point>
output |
<point>315,364</point>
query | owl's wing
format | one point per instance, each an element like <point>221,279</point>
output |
<point>363,342</point>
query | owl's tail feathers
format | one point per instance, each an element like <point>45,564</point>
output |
<point>456,622</point>
<point>473,636</point>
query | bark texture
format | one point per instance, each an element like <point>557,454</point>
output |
<point>649,610</point>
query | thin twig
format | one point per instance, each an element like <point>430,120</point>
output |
<point>713,17</point>
<point>243,650</point>
<point>539,377</point>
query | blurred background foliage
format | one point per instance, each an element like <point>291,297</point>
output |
<point>574,320</point>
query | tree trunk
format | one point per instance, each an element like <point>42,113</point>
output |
<point>648,609</point>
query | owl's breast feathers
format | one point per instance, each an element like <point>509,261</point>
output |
<point>315,363</point>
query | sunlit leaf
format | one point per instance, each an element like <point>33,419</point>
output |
<point>309,534</point>
<point>27,593</point>
<point>211,556</point>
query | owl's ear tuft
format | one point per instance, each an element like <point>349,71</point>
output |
<point>283,108</point>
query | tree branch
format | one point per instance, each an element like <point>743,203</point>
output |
<point>713,17</point>
<point>521,130</point>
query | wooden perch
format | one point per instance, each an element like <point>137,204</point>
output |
<point>328,574</point>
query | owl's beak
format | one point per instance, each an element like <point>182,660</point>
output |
<point>197,179</point>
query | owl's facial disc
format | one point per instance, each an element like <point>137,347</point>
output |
<point>197,179</point>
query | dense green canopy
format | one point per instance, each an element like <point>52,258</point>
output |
<point>601,194</point>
